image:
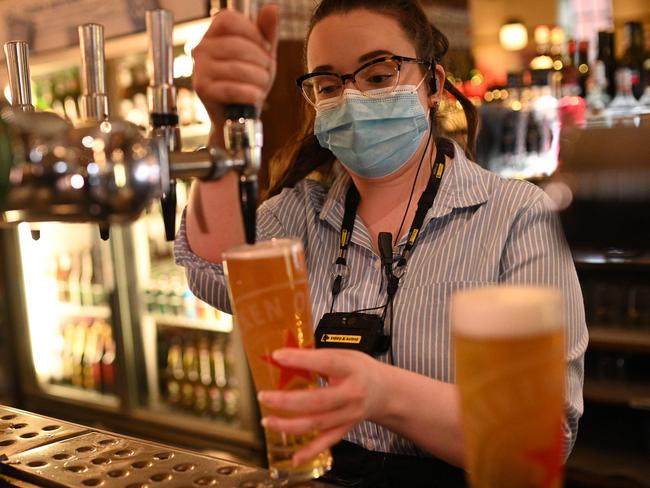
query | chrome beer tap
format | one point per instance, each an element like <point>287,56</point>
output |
<point>94,100</point>
<point>104,170</point>
<point>242,129</point>
<point>161,94</point>
<point>243,136</point>
<point>17,57</point>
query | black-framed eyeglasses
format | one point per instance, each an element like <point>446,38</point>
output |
<point>379,74</point>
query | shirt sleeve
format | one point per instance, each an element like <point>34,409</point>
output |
<point>276,218</point>
<point>537,253</point>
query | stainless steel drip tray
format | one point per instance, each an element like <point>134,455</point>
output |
<point>93,458</point>
<point>21,431</point>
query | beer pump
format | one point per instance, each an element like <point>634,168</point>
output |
<point>242,129</point>
<point>243,136</point>
<point>17,57</point>
<point>107,171</point>
<point>94,101</point>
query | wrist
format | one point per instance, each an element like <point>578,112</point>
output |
<point>387,381</point>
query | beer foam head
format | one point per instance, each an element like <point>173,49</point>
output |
<point>506,311</point>
<point>264,249</point>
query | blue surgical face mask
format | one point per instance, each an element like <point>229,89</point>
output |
<point>373,136</point>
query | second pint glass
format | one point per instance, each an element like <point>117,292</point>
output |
<point>510,371</point>
<point>269,295</point>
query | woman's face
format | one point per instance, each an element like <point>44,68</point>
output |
<point>343,42</point>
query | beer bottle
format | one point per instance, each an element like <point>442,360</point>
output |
<point>108,355</point>
<point>67,353</point>
<point>191,367</point>
<point>231,394</point>
<point>85,278</point>
<point>97,283</point>
<point>201,400</point>
<point>78,353</point>
<point>90,357</point>
<point>218,367</point>
<point>174,371</point>
<point>63,265</point>
<point>74,277</point>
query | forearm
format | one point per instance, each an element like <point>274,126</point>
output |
<point>423,410</point>
<point>214,221</point>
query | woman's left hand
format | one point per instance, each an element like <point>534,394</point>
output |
<point>354,393</point>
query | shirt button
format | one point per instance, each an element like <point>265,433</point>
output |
<point>370,445</point>
<point>377,263</point>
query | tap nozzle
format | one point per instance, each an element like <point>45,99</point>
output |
<point>94,101</point>
<point>17,55</point>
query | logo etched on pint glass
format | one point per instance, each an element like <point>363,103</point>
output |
<point>269,295</point>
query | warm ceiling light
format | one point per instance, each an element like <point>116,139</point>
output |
<point>542,34</point>
<point>513,36</point>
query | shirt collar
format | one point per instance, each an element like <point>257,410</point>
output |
<point>464,185</point>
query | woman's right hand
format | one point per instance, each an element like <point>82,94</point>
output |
<point>235,62</point>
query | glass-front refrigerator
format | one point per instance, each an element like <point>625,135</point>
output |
<point>65,313</point>
<point>196,370</point>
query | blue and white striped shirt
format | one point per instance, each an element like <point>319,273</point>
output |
<point>482,229</point>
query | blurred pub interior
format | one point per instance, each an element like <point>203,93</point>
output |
<point>107,333</point>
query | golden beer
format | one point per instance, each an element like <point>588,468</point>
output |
<point>269,295</point>
<point>510,371</point>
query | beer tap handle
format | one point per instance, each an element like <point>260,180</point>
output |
<point>17,56</point>
<point>243,136</point>
<point>162,103</point>
<point>94,101</point>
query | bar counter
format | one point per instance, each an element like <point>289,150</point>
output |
<point>38,451</point>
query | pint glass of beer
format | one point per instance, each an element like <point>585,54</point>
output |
<point>269,295</point>
<point>510,371</point>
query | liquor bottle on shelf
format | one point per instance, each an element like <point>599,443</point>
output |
<point>570,70</point>
<point>606,58</point>
<point>624,104</point>
<point>633,56</point>
<point>597,97</point>
<point>582,63</point>
<point>231,393</point>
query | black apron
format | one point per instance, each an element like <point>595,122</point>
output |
<point>357,467</point>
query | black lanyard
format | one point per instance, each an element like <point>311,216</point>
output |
<point>444,148</point>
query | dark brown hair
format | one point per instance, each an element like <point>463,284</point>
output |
<point>304,155</point>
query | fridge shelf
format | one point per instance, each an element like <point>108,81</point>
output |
<point>79,395</point>
<point>75,310</point>
<point>217,325</point>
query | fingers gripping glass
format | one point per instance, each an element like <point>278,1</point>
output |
<point>380,73</point>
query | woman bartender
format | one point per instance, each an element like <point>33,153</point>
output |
<point>373,83</point>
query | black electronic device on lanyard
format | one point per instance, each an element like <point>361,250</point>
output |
<point>365,331</point>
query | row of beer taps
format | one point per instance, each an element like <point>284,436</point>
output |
<point>105,170</point>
